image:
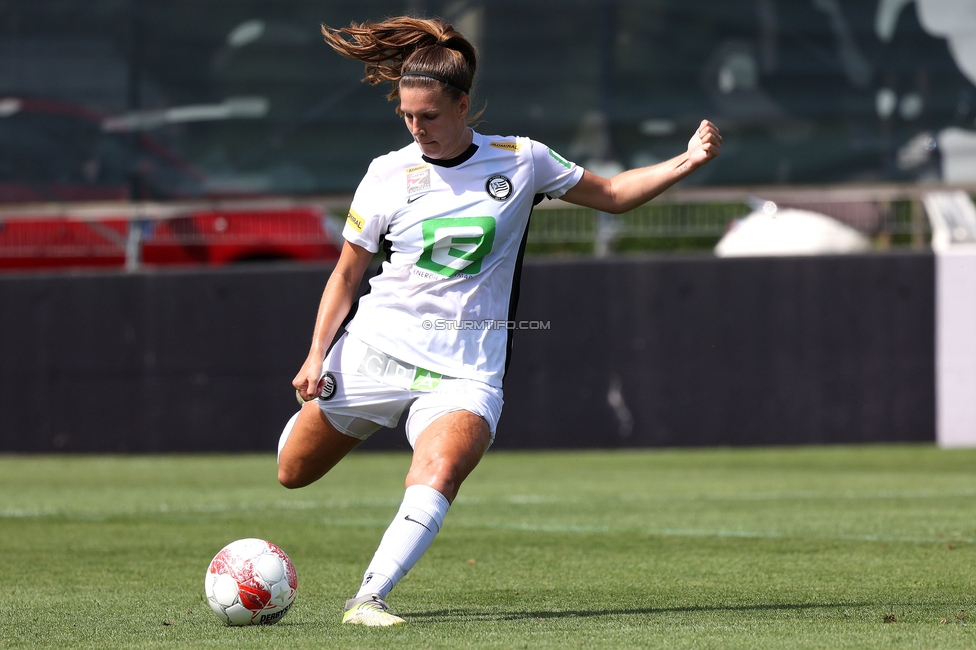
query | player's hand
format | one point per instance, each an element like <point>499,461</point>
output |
<point>705,144</point>
<point>308,381</point>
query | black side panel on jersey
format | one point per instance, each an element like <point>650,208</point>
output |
<point>387,252</point>
<point>516,284</point>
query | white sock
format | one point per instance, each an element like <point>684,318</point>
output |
<point>285,433</point>
<point>408,537</point>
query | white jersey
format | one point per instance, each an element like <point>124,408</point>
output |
<point>455,234</point>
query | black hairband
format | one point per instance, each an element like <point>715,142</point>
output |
<point>437,77</point>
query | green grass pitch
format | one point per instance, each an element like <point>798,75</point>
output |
<point>839,547</point>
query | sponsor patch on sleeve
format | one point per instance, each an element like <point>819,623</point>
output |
<point>508,146</point>
<point>355,222</point>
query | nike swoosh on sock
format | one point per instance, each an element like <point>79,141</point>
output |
<point>409,518</point>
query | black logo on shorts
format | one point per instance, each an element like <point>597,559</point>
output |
<point>499,187</point>
<point>328,387</point>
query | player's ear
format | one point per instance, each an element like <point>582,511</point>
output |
<point>464,105</point>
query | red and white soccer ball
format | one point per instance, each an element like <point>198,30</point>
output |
<point>250,582</point>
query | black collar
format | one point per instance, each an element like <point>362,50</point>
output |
<point>457,160</point>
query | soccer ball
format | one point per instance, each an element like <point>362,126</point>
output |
<point>250,582</point>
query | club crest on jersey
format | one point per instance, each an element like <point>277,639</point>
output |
<point>328,387</point>
<point>499,187</point>
<point>418,179</point>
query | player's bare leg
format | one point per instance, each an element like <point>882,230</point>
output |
<point>313,448</point>
<point>444,455</point>
<point>448,451</point>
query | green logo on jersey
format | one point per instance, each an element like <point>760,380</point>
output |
<point>456,245</point>
<point>562,161</point>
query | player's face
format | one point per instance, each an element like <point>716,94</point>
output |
<point>436,122</point>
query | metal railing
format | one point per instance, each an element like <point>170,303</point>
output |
<point>890,215</point>
<point>120,234</point>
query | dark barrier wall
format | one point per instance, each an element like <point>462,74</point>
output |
<point>650,352</point>
<point>725,352</point>
<point>152,362</point>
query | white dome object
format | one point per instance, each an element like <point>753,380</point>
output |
<point>790,232</point>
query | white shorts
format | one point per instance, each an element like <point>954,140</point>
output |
<point>366,389</point>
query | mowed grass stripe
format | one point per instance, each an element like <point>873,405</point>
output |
<point>548,528</point>
<point>527,499</point>
<point>848,547</point>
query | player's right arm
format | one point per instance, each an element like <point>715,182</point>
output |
<point>337,299</point>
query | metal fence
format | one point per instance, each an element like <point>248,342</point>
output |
<point>130,235</point>
<point>889,215</point>
<point>215,232</point>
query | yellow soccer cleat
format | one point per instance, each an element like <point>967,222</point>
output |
<point>371,611</point>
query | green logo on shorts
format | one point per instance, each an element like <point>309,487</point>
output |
<point>456,245</point>
<point>425,380</point>
<point>393,372</point>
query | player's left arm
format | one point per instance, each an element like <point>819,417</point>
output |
<point>635,187</point>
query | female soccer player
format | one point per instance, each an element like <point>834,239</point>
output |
<point>451,212</point>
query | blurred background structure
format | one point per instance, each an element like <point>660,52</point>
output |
<point>136,134</point>
<point>184,100</point>
<point>181,98</point>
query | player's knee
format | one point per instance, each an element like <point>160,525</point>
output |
<point>289,477</point>
<point>287,480</point>
<point>438,474</point>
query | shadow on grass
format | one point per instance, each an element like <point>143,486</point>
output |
<point>469,614</point>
